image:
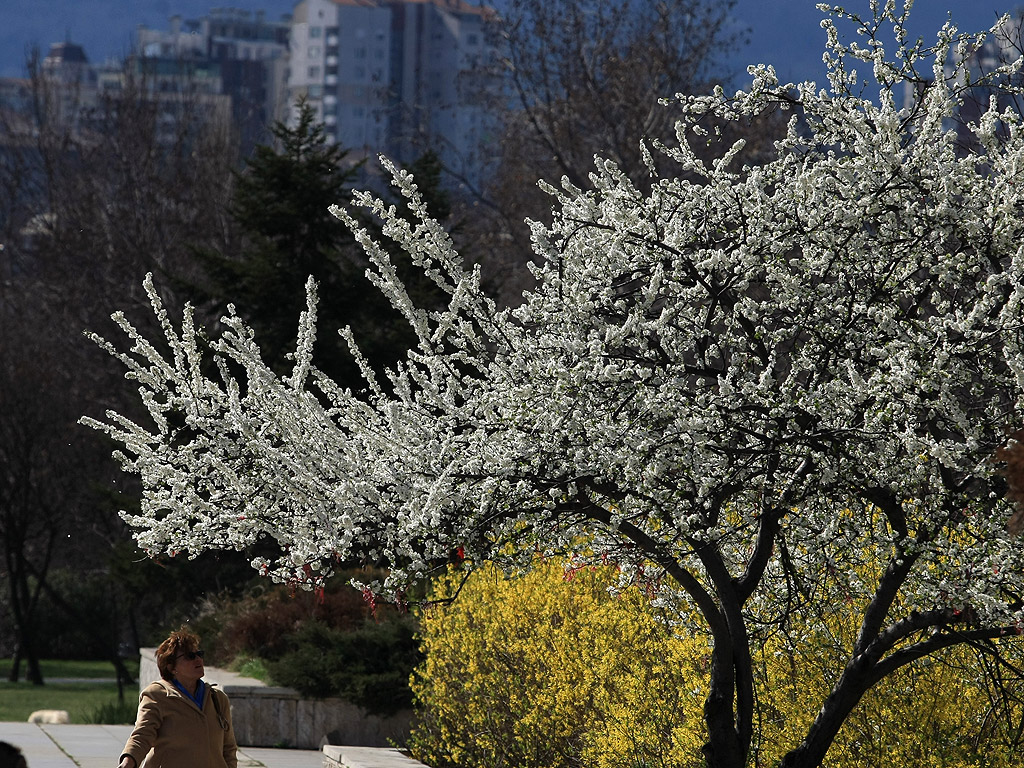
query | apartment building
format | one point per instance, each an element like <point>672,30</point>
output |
<point>244,53</point>
<point>341,65</point>
<point>396,77</point>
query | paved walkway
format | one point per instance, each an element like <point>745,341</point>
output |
<point>98,746</point>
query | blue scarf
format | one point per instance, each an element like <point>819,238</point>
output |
<point>200,693</point>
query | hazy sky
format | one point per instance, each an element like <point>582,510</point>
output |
<point>785,33</point>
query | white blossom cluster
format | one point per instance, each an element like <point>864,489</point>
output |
<point>745,375</point>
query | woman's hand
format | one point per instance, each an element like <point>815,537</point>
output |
<point>127,761</point>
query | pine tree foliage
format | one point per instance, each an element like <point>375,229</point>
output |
<point>280,206</point>
<point>745,386</point>
<point>286,234</point>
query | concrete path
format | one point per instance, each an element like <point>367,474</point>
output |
<point>98,746</point>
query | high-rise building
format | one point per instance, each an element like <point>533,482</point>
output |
<point>68,63</point>
<point>396,76</point>
<point>64,89</point>
<point>246,52</point>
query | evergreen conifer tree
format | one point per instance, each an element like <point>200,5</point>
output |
<point>286,235</point>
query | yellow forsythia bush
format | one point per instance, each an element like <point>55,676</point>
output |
<point>941,712</point>
<point>549,670</point>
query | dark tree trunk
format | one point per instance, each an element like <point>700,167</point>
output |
<point>15,672</point>
<point>23,605</point>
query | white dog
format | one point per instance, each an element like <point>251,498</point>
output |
<point>49,717</point>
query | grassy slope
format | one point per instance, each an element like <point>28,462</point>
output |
<point>82,700</point>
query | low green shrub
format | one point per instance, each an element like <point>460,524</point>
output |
<point>113,713</point>
<point>261,623</point>
<point>369,666</point>
<point>327,644</point>
<point>251,667</point>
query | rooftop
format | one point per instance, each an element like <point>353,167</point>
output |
<point>68,53</point>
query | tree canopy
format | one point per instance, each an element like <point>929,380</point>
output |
<point>577,78</point>
<point>97,188</point>
<point>751,388</point>
<point>586,76</point>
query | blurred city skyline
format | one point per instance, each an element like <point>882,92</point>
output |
<point>784,33</point>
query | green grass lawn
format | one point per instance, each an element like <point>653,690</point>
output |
<point>85,702</point>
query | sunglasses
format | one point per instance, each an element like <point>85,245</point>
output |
<point>191,655</point>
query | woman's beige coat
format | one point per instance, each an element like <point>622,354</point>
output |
<point>180,735</point>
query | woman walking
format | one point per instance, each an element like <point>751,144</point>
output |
<point>182,721</point>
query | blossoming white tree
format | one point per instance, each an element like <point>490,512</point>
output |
<point>753,388</point>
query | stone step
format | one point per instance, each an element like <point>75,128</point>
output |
<point>367,757</point>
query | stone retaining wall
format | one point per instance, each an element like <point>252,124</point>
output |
<point>367,757</point>
<point>266,716</point>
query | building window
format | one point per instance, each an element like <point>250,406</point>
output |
<point>313,73</point>
<point>315,31</point>
<point>313,52</point>
<point>360,53</point>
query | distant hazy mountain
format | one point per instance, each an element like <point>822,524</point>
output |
<point>103,27</point>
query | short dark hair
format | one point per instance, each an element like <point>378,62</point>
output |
<point>11,757</point>
<point>180,641</point>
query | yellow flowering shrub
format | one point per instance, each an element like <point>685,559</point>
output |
<point>550,670</point>
<point>945,711</point>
